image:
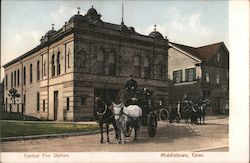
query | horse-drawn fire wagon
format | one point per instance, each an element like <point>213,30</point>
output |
<point>146,102</point>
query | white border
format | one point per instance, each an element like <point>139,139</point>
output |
<point>239,108</point>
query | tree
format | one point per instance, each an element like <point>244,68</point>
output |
<point>13,95</point>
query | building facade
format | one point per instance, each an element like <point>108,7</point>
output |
<point>199,73</point>
<point>60,78</point>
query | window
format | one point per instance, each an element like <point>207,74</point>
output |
<point>38,70</point>
<point>53,68</point>
<point>6,82</point>
<point>11,80</point>
<point>31,73</point>
<point>190,74</point>
<point>6,104</point>
<point>17,107</point>
<point>111,64</point>
<point>207,78</point>
<point>146,68</point>
<point>43,105</point>
<point>161,70</point>
<point>218,56</point>
<point>68,56</point>
<point>137,66</point>
<point>100,63</point>
<point>44,68</point>
<point>24,75</point>
<point>67,107</point>
<point>218,79</point>
<point>83,100</point>
<point>15,79</point>
<point>18,77</point>
<point>24,101</point>
<point>38,101</point>
<point>58,64</point>
<point>177,76</point>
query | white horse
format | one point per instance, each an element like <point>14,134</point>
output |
<point>127,117</point>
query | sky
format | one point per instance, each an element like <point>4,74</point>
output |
<point>193,23</point>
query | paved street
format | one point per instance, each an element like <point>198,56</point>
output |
<point>169,137</point>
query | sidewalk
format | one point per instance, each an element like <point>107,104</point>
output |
<point>72,134</point>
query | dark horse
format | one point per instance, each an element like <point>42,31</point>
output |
<point>105,116</point>
<point>202,109</point>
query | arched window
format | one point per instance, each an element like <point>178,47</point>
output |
<point>111,64</point>
<point>18,77</point>
<point>217,78</point>
<point>146,68</point>
<point>68,58</point>
<point>137,66</point>
<point>53,68</point>
<point>38,70</point>
<point>14,78</point>
<point>31,73</point>
<point>100,62</point>
<point>207,78</point>
<point>58,64</point>
<point>161,70</point>
<point>24,75</point>
<point>44,68</point>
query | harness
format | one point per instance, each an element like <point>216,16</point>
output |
<point>122,112</point>
<point>101,119</point>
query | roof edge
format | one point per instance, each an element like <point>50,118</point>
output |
<point>185,52</point>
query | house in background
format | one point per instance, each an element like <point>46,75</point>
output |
<point>200,73</point>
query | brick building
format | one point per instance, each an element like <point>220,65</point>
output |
<point>59,79</point>
<point>201,72</point>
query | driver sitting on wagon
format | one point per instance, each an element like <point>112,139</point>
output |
<point>131,86</point>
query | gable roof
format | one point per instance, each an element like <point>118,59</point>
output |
<point>203,53</point>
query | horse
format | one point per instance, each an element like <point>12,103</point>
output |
<point>202,109</point>
<point>105,116</point>
<point>186,111</point>
<point>127,117</point>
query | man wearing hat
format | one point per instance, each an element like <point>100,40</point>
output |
<point>131,86</point>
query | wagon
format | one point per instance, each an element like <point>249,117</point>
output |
<point>149,116</point>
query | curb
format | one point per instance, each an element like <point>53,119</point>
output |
<point>33,137</point>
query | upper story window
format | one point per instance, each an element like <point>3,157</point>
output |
<point>207,78</point>
<point>190,74</point>
<point>111,64</point>
<point>161,70</point>
<point>218,57</point>
<point>38,70</point>
<point>53,67</point>
<point>6,82</point>
<point>11,80</point>
<point>31,73</point>
<point>44,68</point>
<point>58,64</point>
<point>68,58</point>
<point>146,68</point>
<point>24,75</point>
<point>177,76</point>
<point>137,66</point>
<point>217,78</point>
<point>100,62</point>
<point>14,78</point>
<point>18,77</point>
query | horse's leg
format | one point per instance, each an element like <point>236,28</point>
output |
<point>107,131</point>
<point>101,126</point>
<point>135,126</point>
<point>116,129</point>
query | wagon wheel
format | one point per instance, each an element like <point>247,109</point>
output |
<point>128,131</point>
<point>163,114</point>
<point>152,124</point>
